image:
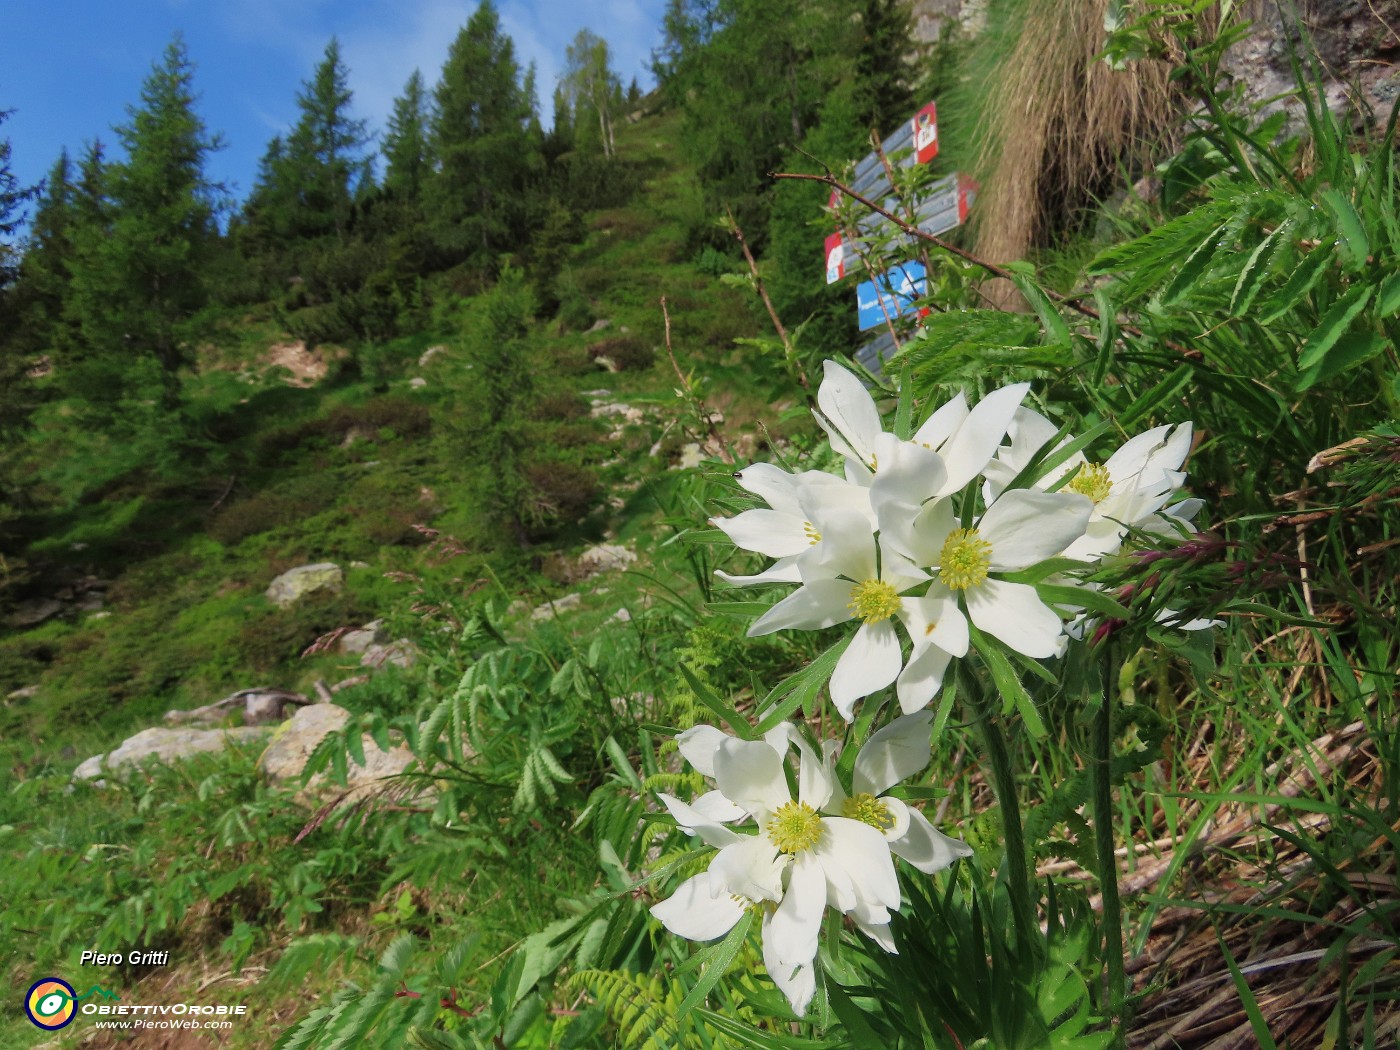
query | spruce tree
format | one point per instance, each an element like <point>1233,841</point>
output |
<point>482,141</point>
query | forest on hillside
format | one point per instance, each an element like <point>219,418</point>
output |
<point>693,661</point>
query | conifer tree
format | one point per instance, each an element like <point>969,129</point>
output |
<point>12,199</point>
<point>482,142</point>
<point>143,238</point>
<point>407,155</point>
<point>43,282</point>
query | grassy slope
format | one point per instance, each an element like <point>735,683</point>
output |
<point>189,622</point>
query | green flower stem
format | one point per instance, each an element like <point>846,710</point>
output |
<point>1018,876</point>
<point>1103,836</point>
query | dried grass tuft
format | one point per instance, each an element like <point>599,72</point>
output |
<point>1061,126</point>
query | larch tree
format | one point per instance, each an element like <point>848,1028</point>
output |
<point>407,152</point>
<point>481,138</point>
<point>144,237</point>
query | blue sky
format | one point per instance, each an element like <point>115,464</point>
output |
<point>69,68</point>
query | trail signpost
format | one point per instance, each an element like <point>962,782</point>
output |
<point>943,205</point>
<point>891,294</point>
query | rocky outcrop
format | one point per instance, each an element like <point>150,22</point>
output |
<point>166,746</point>
<point>285,758</point>
<point>296,583</point>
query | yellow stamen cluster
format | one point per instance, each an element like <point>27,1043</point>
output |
<point>964,560</point>
<point>813,536</point>
<point>874,601</point>
<point>1092,481</point>
<point>794,827</point>
<point>868,809</point>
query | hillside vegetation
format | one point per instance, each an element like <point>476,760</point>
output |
<point>507,387</point>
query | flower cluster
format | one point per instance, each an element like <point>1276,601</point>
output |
<point>791,858</point>
<point>972,532</point>
<point>925,532</point>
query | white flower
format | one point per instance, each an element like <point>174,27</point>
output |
<point>897,752</point>
<point>1128,490</point>
<point>1023,527</point>
<point>801,859</point>
<point>852,576</point>
<point>965,439</point>
<point>791,526</point>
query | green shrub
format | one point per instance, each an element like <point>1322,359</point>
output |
<point>285,505</point>
<point>559,493</point>
<point>558,407</point>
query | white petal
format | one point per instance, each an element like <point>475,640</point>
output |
<point>847,547</point>
<point>944,422</point>
<point>776,486</point>
<point>909,474</point>
<point>1026,526</point>
<point>751,867</point>
<point>696,913</point>
<point>1128,462</point>
<point>899,815</point>
<point>919,681</point>
<point>693,822</point>
<point>928,531</point>
<point>714,806</point>
<point>872,661</point>
<point>784,570</point>
<point>816,776</point>
<point>976,441</point>
<point>935,621</point>
<point>798,983</point>
<point>750,773</point>
<point>892,754</point>
<point>770,532</point>
<point>847,413</point>
<point>698,745</point>
<point>814,605</point>
<point>863,855</point>
<point>798,921</point>
<point>927,848</point>
<point>1014,614</point>
<point>880,934</point>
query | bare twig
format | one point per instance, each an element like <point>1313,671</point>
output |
<point>688,390</point>
<point>227,489</point>
<point>788,350</point>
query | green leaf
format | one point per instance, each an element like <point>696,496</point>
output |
<point>1194,266</point>
<point>1007,682</point>
<point>707,696</point>
<point>1388,297</point>
<point>1056,331</point>
<point>718,959</point>
<point>798,689</point>
<point>1083,598</point>
<point>739,610</point>
<point>1305,275</point>
<point>1350,350</point>
<point>1353,246</point>
<point>1256,268</point>
<point>1332,326</point>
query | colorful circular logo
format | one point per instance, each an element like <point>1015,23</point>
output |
<point>50,1003</point>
